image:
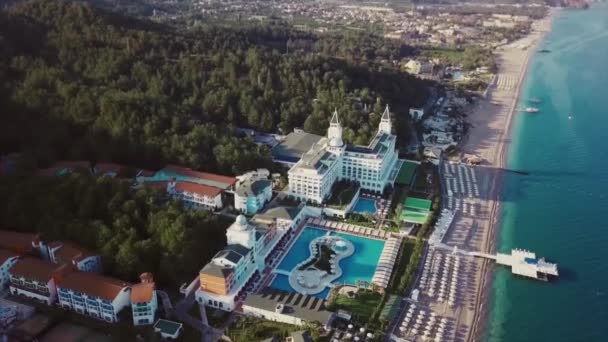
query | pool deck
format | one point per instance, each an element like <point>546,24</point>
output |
<point>311,282</point>
<point>385,265</point>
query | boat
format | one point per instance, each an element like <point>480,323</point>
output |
<point>544,51</point>
<point>531,110</point>
<point>534,100</point>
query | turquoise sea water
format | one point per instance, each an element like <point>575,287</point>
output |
<point>359,266</point>
<point>559,209</point>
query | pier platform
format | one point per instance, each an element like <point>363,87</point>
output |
<point>521,261</point>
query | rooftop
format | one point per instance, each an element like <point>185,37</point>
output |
<point>17,242</point>
<point>307,308</point>
<point>199,189</point>
<point>142,292</point>
<point>317,158</point>
<point>6,254</point>
<point>216,270</point>
<point>285,213</point>
<point>167,327</point>
<point>35,269</point>
<point>93,284</point>
<point>207,178</point>
<point>294,145</point>
<point>250,187</point>
<point>67,252</point>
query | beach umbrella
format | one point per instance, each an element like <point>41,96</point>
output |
<point>409,315</point>
<point>357,338</point>
<point>350,326</point>
<point>414,331</point>
<point>370,335</point>
<point>349,335</point>
<point>362,330</point>
<point>402,328</point>
<point>433,314</point>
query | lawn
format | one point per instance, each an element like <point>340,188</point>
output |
<point>248,329</point>
<point>361,306</point>
<point>342,194</point>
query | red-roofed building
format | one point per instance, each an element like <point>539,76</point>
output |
<point>19,242</point>
<point>62,168</point>
<point>61,252</point>
<point>34,278</point>
<point>94,295</point>
<point>7,260</point>
<point>109,169</point>
<point>223,182</point>
<point>143,300</point>
<point>196,195</point>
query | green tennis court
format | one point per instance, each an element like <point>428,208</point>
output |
<point>415,210</point>
<point>417,203</point>
<point>407,172</point>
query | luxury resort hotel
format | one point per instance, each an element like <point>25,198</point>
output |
<point>282,263</point>
<point>330,159</point>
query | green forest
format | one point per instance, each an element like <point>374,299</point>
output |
<point>82,83</point>
<point>134,231</point>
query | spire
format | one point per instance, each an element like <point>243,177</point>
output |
<point>386,115</point>
<point>334,118</point>
<point>386,125</point>
<point>335,129</point>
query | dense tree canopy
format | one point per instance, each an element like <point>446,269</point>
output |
<point>79,82</point>
<point>135,231</point>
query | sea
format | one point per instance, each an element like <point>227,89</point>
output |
<point>559,210</point>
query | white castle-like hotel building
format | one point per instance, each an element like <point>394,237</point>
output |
<point>374,166</point>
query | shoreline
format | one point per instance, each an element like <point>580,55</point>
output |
<point>482,308</point>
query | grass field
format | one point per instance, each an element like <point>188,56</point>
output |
<point>406,173</point>
<point>362,306</point>
<point>250,329</point>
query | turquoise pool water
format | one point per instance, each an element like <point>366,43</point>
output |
<point>359,266</point>
<point>365,205</point>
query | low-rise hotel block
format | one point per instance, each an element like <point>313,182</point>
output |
<point>374,166</point>
<point>253,191</point>
<point>35,279</point>
<point>144,301</point>
<point>93,295</point>
<point>223,280</point>
<point>195,189</point>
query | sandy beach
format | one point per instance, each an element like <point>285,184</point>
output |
<point>453,288</point>
<point>489,138</point>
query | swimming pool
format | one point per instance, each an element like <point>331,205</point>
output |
<point>365,205</point>
<point>359,266</point>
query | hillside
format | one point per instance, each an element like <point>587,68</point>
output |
<point>81,82</point>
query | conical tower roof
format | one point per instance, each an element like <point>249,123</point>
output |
<point>334,118</point>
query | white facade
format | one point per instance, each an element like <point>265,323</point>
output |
<point>143,313</point>
<point>253,191</point>
<point>248,246</point>
<point>4,275</point>
<point>194,198</point>
<point>272,315</point>
<point>95,307</point>
<point>44,292</point>
<point>329,160</point>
